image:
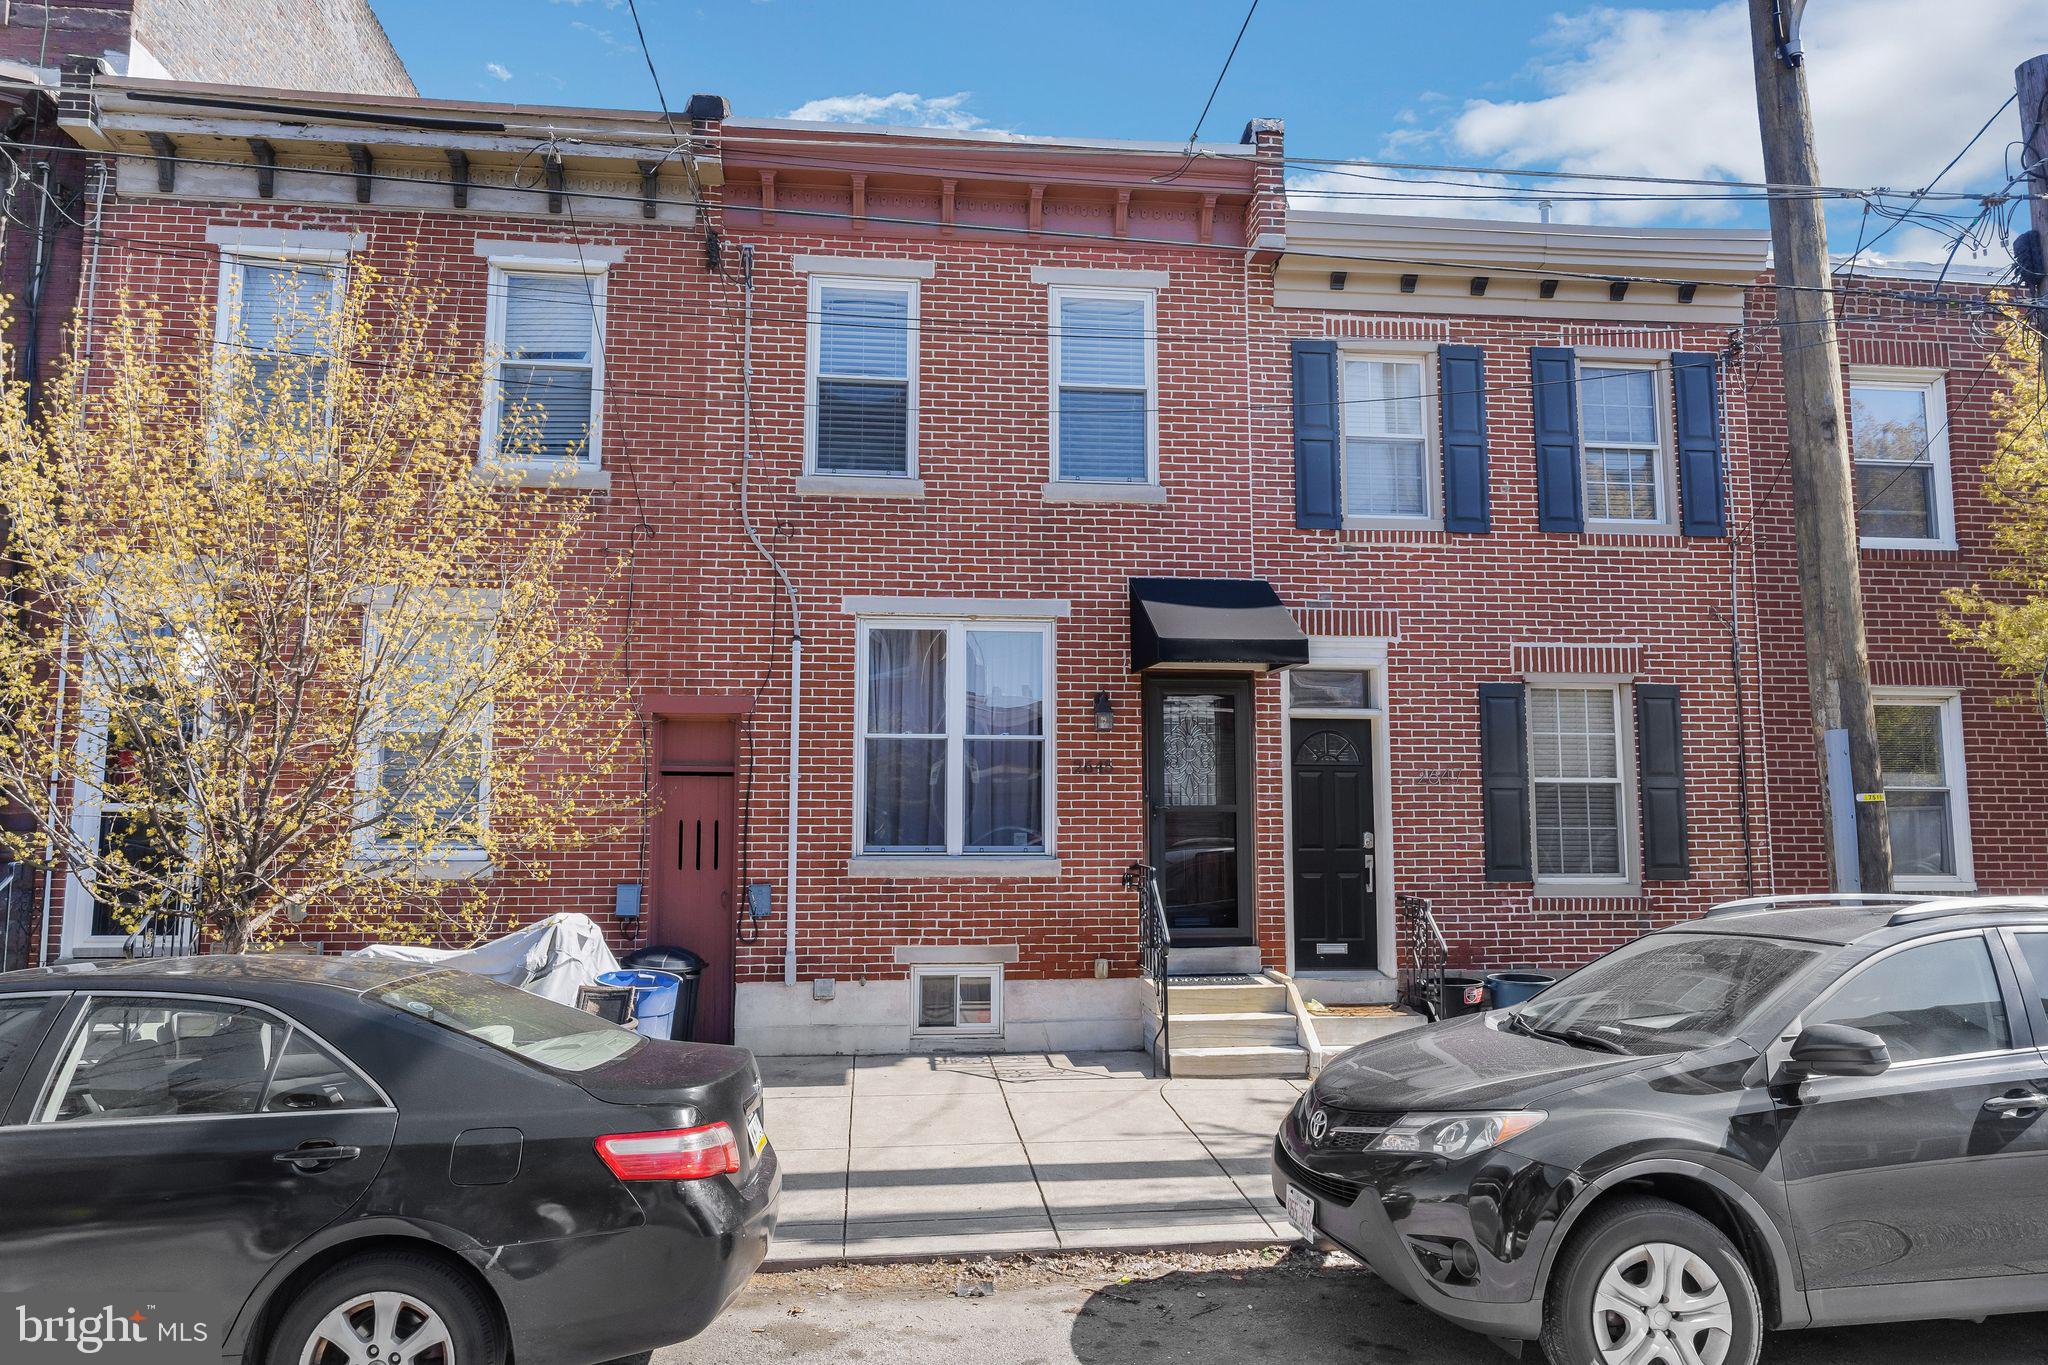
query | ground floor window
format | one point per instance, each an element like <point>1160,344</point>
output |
<point>1920,745</point>
<point>1576,780</point>
<point>957,1000</point>
<point>953,734</point>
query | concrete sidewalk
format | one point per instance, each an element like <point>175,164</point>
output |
<point>888,1157</point>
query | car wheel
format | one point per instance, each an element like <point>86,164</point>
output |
<point>391,1309</point>
<point>1646,1282</point>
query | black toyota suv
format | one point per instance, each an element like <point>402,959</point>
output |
<point>1790,1113</point>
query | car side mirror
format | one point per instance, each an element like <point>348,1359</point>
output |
<point>1840,1050</point>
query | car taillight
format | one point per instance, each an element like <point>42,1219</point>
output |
<point>677,1154</point>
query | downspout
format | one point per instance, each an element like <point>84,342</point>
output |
<point>1735,638</point>
<point>796,620</point>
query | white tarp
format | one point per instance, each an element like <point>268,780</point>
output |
<point>551,957</point>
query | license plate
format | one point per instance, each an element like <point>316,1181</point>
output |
<point>1301,1211</point>
<point>757,1131</point>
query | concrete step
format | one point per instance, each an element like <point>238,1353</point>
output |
<point>1339,1033</point>
<point>1239,1029</point>
<point>1224,995</point>
<point>1348,988</point>
<point>1238,1062</point>
<point>1215,961</point>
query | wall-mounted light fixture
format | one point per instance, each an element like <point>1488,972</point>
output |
<point>1104,711</point>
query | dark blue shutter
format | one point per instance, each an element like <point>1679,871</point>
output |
<point>1554,373</point>
<point>1660,775</point>
<point>1461,375</point>
<point>1702,500</point>
<point>1318,488</point>
<point>1504,779</point>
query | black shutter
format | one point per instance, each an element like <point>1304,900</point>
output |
<point>1554,373</point>
<point>1504,775</point>
<point>1318,491</point>
<point>1660,773</point>
<point>1461,377</point>
<point>1702,503</point>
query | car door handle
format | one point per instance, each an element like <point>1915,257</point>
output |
<point>313,1155</point>
<point>2012,1106</point>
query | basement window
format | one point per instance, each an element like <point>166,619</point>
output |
<point>957,1001</point>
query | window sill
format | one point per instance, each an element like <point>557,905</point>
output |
<point>1393,524</point>
<point>1662,530</point>
<point>1910,547</point>
<point>858,486</point>
<point>431,870</point>
<point>912,866</point>
<point>550,477</point>
<point>1943,886</point>
<point>1587,891</point>
<point>1076,490</point>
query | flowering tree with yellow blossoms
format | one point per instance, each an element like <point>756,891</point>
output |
<point>2008,619</point>
<point>279,644</point>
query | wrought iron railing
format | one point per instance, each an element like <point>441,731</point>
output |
<point>163,933</point>
<point>1155,945</point>
<point>1425,958</point>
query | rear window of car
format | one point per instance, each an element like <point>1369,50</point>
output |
<point>532,1029</point>
<point>1670,992</point>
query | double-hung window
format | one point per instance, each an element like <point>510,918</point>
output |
<point>1576,759</point>
<point>1387,459</point>
<point>863,385</point>
<point>425,772</point>
<point>546,339</point>
<point>1104,363</point>
<point>1625,467</point>
<point>276,331</point>
<point>1898,421</point>
<point>1920,747</point>
<point>954,738</point>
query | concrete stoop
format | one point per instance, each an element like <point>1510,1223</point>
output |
<point>1225,1023</point>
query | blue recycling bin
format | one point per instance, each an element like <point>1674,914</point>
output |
<point>1512,988</point>
<point>654,999</point>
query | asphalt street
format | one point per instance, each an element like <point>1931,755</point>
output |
<point>1231,1309</point>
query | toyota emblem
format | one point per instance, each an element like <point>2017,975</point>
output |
<point>1318,1126</point>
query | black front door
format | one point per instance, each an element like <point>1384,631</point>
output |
<point>1333,846</point>
<point>1198,772</point>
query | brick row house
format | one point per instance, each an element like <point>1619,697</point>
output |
<point>1004,513</point>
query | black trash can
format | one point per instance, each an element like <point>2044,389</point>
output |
<point>1463,994</point>
<point>668,957</point>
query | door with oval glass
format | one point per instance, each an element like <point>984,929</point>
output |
<point>1334,921</point>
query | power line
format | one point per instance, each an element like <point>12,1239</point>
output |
<point>1228,58</point>
<point>2004,104</point>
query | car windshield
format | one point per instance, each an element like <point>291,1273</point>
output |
<point>527,1026</point>
<point>1664,993</point>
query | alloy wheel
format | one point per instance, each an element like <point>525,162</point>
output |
<point>380,1327</point>
<point>1661,1304</point>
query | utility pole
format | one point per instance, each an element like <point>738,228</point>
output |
<point>1823,491</point>
<point>2032,82</point>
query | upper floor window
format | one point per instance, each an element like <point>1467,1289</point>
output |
<point>1626,468</point>
<point>1104,361</point>
<point>546,339</point>
<point>954,727</point>
<point>1920,748</point>
<point>863,385</point>
<point>1575,771</point>
<point>276,332</point>
<point>1898,422</point>
<point>1387,451</point>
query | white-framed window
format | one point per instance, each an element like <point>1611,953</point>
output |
<point>1625,449</point>
<point>1898,424</point>
<point>423,778</point>
<point>276,313</point>
<point>1105,426</point>
<point>1329,689</point>
<point>956,1000</point>
<point>1578,777</point>
<point>1926,795</point>
<point>1387,406</point>
<point>953,750</point>
<point>861,401</point>
<point>544,332</point>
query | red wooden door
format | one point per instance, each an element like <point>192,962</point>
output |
<point>692,851</point>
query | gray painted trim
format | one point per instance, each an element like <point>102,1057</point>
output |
<point>241,238</point>
<point>958,609</point>
<point>1075,490</point>
<point>1101,279</point>
<point>569,253</point>
<point>888,269</point>
<point>858,486</point>
<point>965,954</point>
<point>940,866</point>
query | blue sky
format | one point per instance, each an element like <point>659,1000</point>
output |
<point>1648,87</point>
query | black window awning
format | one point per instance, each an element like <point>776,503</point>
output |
<point>1212,623</point>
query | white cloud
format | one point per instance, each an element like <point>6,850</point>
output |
<point>902,108</point>
<point>498,69</point>
<point>1897,87</point>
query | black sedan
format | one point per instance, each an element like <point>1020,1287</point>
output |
<point>331,1162</point>
<point>1791,1113</point>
